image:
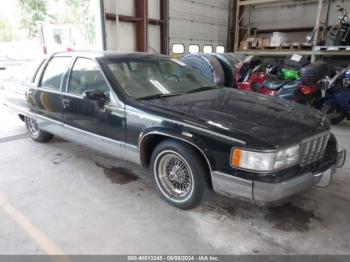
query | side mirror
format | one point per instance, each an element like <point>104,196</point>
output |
<point>95,95</point>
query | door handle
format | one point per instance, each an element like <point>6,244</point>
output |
<point>65,103</point>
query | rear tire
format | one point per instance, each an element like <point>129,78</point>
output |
<point>179,174</point>
<point>34,131</point>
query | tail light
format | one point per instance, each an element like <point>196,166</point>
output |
<point>306,90</point>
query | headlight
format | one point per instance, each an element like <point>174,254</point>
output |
<point>287,157</point>
<point>264,161</point>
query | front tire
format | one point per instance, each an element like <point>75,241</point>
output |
<point>179,174</point>
<point>35,132</point>
<point>335,114</point>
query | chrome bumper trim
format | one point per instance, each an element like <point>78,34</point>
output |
<point>341,158</point>
<point>263,193</point>
<point>268,192</point>
<point>231,186</point>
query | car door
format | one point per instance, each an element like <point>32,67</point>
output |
<point>107,120</point>
<point>45,100</point>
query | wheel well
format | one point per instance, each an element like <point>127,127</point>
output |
<point>150,142</point>
<point>21,117</point>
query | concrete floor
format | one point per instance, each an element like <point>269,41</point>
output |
<point>85,203</point>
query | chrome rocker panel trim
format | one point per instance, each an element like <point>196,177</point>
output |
<point>99,143</point>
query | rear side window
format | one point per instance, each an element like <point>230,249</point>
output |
<point>54,72</point>
<point>86,75</point>
<point>36,76</point>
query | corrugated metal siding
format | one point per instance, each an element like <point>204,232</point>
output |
<point>125,7</point>
<point>153,30</point>
<point>203,22</point>
<point>153,9</point>
<point>121,36</point>
<point>154,39</point>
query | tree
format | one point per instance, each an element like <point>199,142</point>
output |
<point>80,13</point>
<point>6,31</point>
<point>32,12</point>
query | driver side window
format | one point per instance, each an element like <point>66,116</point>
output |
<point>86,75</point>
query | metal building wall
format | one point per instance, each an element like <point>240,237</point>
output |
<point>154,31</point>
<point>202,22</point>
<point>125,21</point>
<point>120,35</point>
<point>199,22</point>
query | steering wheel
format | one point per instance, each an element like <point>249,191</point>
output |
<point>172,77</point>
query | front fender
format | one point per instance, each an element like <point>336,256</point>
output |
<point>198,141</point>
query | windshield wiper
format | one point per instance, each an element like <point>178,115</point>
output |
<point>203,88</point>
<point>158,96</point>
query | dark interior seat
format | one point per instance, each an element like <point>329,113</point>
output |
<point>275,84</point>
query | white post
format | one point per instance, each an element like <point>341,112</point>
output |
<point>117,26</point>
<point>317,29</point>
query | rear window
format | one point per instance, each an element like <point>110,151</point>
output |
<point>54,72</point>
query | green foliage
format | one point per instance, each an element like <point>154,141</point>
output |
<point>6,31</point>
<point>32,12</point>
<point>80,13</point>
<point>77,12</point>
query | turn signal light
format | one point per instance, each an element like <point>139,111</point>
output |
<point>236,157</point>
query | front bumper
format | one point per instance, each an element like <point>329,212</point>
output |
<point>263,193</point>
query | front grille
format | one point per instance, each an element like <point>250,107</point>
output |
<point>312,149</point>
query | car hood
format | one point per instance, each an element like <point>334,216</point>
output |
<point>247,116</point>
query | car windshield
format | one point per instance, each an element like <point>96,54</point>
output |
<point>143,78</point>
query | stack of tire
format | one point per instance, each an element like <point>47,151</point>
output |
<point>218,68</point>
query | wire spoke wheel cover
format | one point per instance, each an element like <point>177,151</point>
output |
<point>173,176</point>
<point>33,127</point>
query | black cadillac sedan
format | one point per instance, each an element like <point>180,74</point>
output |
<point>193,136</point>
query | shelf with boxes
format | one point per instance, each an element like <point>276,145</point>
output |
<point>284,52</point>
<point>271,42</point>
<point>278,41</point>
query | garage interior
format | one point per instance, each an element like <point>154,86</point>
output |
<point>61,198</point>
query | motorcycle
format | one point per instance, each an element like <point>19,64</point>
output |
<point>311,76</point>
<point>288,81</point>
<point>340,34</point>
<point>334,97</point>
<point>292,66</point>
<point>268,82</point>
<point>250,76</point>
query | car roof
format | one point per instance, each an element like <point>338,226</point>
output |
<point>109,54</point>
